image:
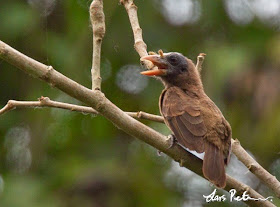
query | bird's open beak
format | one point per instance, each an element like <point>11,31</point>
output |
<point>158,61</point>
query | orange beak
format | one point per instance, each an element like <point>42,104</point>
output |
<point>155,72</point>
<point>157,61</point>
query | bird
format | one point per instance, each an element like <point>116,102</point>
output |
<point>196,122</point>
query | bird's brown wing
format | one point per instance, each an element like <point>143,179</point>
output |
<point>182,115</point>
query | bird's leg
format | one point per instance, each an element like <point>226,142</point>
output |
<point>171,139</point>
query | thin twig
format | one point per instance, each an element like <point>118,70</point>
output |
<point>200,59</point>
<point>139,45</point>
<point>97,18</point>
<point>47,102</point>
<point>99,102</point>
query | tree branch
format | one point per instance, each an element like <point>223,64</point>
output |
<point>47,102</point>
<point>97,18</point>
<point>139,45</point>
<point>255,167</point>
<point>98,101</point>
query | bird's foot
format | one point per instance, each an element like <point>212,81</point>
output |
<point>171,139</point>
<point>159,153</point>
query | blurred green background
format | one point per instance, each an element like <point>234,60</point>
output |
<point>52,157</point>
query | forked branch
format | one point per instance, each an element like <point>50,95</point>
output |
<point>99,102</point>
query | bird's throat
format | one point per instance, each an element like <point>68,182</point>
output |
<point>193,87</point>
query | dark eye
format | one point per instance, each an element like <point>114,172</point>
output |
<point>173,60</point>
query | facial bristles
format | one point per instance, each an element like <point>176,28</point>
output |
<point>152,53</point>
<point>160,52</point>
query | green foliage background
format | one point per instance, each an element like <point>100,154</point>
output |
<point>83,160</point>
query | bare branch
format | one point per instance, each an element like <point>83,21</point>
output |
<point>97,18</point>
<point>139,45</point>
<point>200,59</point>
<point>46,102</point>
<point>255,167</point>
<point>8,107</point>
<point>147,116</point>
<point>98,101</point>
<point>144,115</point>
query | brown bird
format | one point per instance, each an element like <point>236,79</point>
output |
<point>192,116</point>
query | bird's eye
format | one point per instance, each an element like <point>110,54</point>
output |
<point>173,60</point>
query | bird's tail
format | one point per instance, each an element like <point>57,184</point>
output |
<point>213,165</point>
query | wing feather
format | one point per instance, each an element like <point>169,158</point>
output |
<point>189,137</point>
<point>182,115</point>
<point>179,135</point>
<point>198,129</point>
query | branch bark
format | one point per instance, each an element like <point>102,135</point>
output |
<point>47,102</point>
<point>97,18</point>
<point>99,102</point>
<point>255,167</point>
<point>139,45</point>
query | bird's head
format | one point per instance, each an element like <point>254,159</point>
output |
<point>173,69</point>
